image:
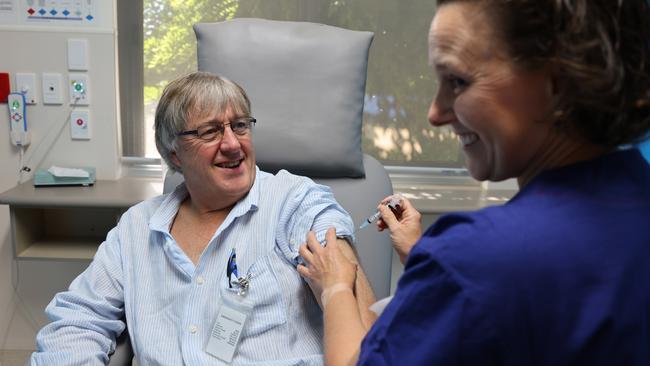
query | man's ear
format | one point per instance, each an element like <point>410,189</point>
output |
<point>175,160</point>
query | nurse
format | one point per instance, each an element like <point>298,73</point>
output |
<point>546,92</point>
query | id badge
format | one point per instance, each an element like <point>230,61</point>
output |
<point>226,332</point>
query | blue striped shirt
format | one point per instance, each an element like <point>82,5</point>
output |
<point>170,305</point>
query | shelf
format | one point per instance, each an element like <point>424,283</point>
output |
<point>70,222</point>
<point>119,193</point>
<point>61,249</point>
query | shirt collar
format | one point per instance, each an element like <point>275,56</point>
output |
<point>251,200</point>
<point>162,218</point>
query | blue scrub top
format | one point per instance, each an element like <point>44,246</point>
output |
<point>645,149</point>
<point>560,275</point>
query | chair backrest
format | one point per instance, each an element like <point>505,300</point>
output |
<point>306,83</point>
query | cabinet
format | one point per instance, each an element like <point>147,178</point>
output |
<point>70,222</point>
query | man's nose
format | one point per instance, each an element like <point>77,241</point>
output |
<point>229,140</point>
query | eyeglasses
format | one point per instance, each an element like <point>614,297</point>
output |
<point>212,131</point>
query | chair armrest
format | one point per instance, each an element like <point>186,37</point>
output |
<point>123,355</point>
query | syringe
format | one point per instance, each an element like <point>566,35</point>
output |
<point>393,203</point>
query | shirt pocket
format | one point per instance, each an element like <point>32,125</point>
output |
<point>264,295</point>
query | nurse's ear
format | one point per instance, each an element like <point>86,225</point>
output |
<point>552,82</point>
<point>554,94</point>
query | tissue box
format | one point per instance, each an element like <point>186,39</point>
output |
<point>43,178</point>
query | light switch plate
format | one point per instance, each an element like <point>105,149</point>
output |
<point>52,88</point>
<point>79,89</point>
<point>26,84</point>
<point>80,124</point>
<point>78,54</point>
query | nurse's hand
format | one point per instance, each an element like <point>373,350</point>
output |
<point>327,270</point>
<point>404,224</point>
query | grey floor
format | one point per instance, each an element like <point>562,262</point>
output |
<point>14,357</point>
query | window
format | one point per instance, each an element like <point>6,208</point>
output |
<point>399,87</point>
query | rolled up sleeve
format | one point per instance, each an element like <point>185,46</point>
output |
<point>311,207</point>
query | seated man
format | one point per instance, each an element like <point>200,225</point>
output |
<point>185,269</point>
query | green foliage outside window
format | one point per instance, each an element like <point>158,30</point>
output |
<point>400,83</point>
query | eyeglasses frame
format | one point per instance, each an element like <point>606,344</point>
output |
<point>195,132</point>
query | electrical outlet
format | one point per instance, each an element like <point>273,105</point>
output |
<point>26,84</point>
<point>79,89</point>
<point>52,90</point>
<point>80,124</point>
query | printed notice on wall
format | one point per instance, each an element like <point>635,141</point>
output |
<point>7,11</point>
<point>64,12</point>
<point>7,6</point>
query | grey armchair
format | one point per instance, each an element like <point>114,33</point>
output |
<point>123,355</point>
<point>306,83</point>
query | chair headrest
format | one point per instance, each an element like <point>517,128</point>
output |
<point>306,83</point>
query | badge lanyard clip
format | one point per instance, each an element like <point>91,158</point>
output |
<point>241,282</point>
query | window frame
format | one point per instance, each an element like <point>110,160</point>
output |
<point>430,181</point>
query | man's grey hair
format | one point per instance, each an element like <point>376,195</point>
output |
<point>195,95</point>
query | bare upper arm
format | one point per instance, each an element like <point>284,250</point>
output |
<point>348,250</point>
